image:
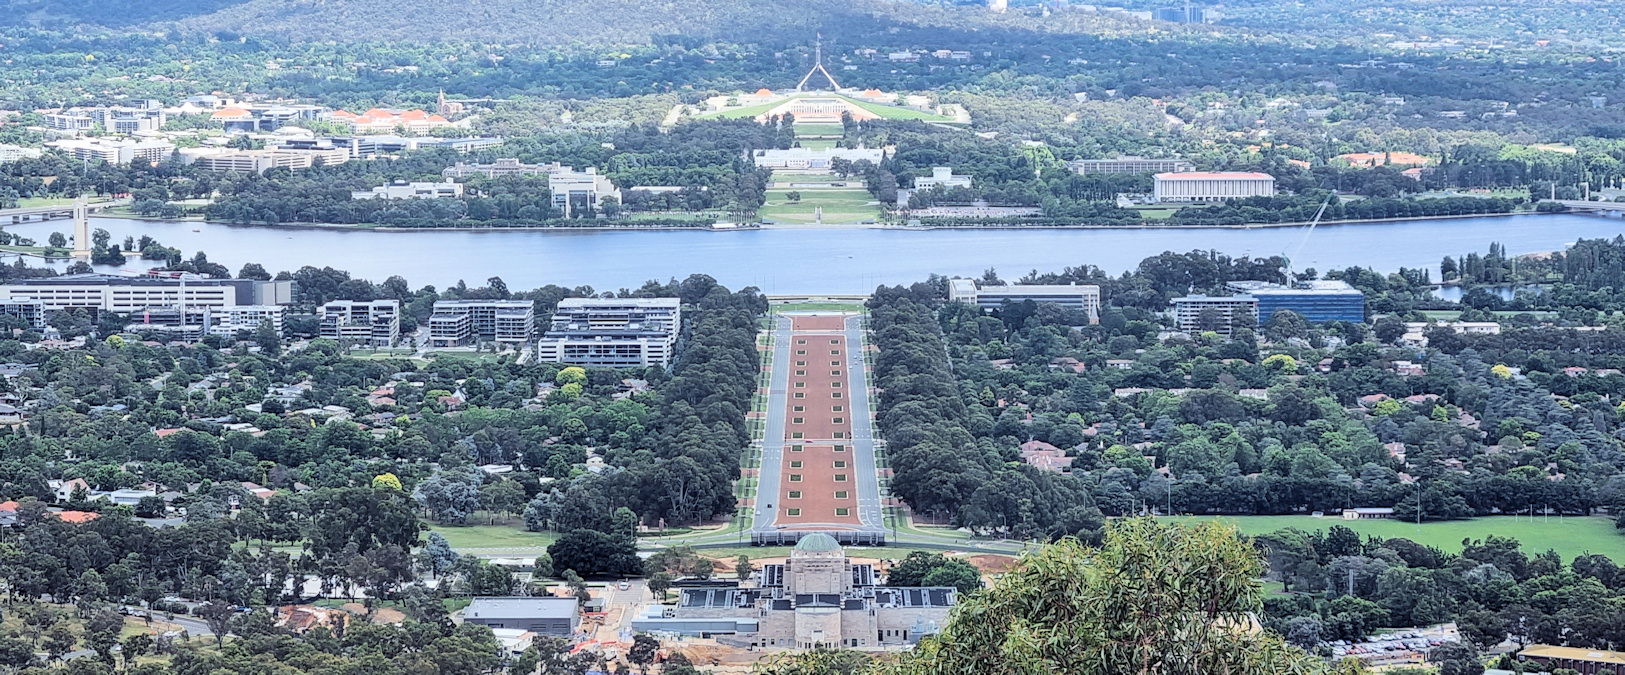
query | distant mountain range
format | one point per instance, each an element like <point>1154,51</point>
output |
<point>537,22</point>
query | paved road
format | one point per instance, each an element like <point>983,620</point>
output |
<point>767,478</point>
<point>870,512</point>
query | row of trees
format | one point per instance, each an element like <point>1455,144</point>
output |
<point>939,465</point>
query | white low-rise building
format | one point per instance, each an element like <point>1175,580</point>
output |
<point>806,159</point>
<point>1207,186</point>
<point>405,190</point>
<point>944,177</point>
<point>1085,298</point>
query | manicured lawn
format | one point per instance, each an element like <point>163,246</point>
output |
<point>896,113</point>
<point>819,307</point>
<point>477,537</point>
<point>738,113</point>
<point>30,202</point>
<point>841,205</point>
<point>813,129</point>
<point>1570,536</point>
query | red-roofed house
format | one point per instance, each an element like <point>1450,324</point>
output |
<point>77,517</point>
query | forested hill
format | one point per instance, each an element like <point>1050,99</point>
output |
<point>111,13</point>
<point>544,22</point>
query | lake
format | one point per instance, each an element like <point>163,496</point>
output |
<point>834,260</point>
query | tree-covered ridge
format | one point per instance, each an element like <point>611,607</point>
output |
<point>1151,599</point>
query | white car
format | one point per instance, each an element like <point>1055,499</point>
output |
<point>624,585</point>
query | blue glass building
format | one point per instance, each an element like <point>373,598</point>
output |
<point>1315,301</point>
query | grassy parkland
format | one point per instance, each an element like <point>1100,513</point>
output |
<point>1569,536</point>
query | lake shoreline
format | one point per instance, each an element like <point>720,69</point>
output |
<point>826,226</point>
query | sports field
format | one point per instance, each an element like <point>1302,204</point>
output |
<point>1568,536</point>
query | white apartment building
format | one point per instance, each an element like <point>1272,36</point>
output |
<point>32,311</point>
<point>573,190</point>
<point>191,323</point>
<point>405,190</point>
<point>1085,298</point>
<point>612,333</point>
<point>457,322</point>
<point>1219,313</point>
<point>375,323</point>
<point>1205,186</point>
<point>250,318</point>
<point>942,176</point>
<point>117,152</point>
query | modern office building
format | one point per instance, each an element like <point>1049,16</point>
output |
<point>1198,313</point>
<point>117,152</point>
<point>500,168</point>
<point>403,190</point>
<point>612,332</point>
<point>1085,298</point>
<point>112,119</point>
<point>576,190</point>
<point>127,295</point>
<point>816,598</point>
<point>375,323</point>
<point>1131,164</point>
<point>1315,301</point>
<point>942,176</point>
<point>542,615</point>
<point>70,121</point>
<point>1208,186</point>
<point>227,160</point>
<point>458,322</point>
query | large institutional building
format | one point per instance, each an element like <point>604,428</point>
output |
<point>612,332</point>
<point>128,295</point>
<point>1083,298</point>
<point>1206,186</point>
<point>573,190</point>
<point>818,598</point>
<point>185,308</point>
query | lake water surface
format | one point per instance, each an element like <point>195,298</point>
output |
<point>820,260</point>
